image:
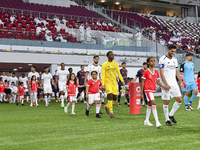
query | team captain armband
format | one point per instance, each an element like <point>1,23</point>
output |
<point>161,66</point>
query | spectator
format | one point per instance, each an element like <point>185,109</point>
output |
<point>37,21</point>
<point>57,20</point>
<point>12,19</point>
<point>88,33</point>
<point>60,37</point>
<point>44,22</point>
<point>57,27</point>
<point>81,30</point>
<point>48,37</point>
<point>38,30</point>
<point>138,38</point>
<point>1,22</point>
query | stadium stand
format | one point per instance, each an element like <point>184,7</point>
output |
<point>181,33</point>
<point>24,26</point>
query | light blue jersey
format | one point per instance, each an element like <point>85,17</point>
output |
<point>187,68</point>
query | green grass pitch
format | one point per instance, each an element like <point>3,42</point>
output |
<point>25,128</point>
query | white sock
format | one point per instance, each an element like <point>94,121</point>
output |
<point>22,101</point>
<point>148,112</point>
<point>199,101</point>
<point>48,100</point>
<point>57,94</point>
<point>62,99</point>
<point>18,101</point>
<point>155,114</point>
<point>174,108</point>
<point>97,108</point>
<point>14,98</point>
<point>68,104</point>
<point>31,102</point>
<point>27,98</point>
<point>102,99</point>
<point>88,107</point>
<point>142,102</point>
<point>36,103</point>
<point>46,103</point>
<point>166,112</point>
<point>0,99</point>
<point>73,106</point>
<point>125,100</point>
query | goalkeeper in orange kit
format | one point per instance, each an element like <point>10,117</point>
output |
<point>109,81</point>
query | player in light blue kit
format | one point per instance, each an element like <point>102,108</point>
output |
<point>187,71</point>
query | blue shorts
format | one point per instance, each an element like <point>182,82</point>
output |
<point>81,89</point>
<point>190,87</point>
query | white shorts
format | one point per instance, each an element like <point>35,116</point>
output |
<point>72,98</point>
<point>150,96</point>
<point>47,89</point>
<point>173,92</point>
<point>93,97</point>
<point>62,86</point>
<point>26,90</point>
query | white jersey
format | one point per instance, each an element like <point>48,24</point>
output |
<point>24,80</point>
<point>4,78</point>
<point>46,79</point>
<point>8,78</point>
<point>13,89</point>
<point>92,67</point>
<point>13,79</point>
<point>170,66</point>
<point>36,74</point>
<point>62,75</point>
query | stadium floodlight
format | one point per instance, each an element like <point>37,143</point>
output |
<point>117,3</point>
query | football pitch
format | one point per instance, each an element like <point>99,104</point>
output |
<point>25,128</point>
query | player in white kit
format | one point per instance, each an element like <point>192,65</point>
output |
<point>4,76</point>
<point>62,76</point>
<point>33,73</point>
<point>24,79</point>
<point>13,79</point>
<point>168,72</point>
<point>94,67</point>
<point>46,83</point>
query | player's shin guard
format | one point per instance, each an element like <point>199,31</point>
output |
<point>192,98</point>
<point>110,106</point>
<point>148,112</point>
<point>174,108</point>
<point>127,97</point>
<point>97,108</point>
<point>119,97</point>
<point>46,103</point>
<point>166,112</point>
<point>186,100</point>
<point>155,114</point>
<point>73,106</point>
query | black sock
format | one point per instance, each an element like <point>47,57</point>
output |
<point>55,96</point>
<point>119,97</point>
<point>84,96</point>
<point>78,95</point>
<point>127,97</point>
